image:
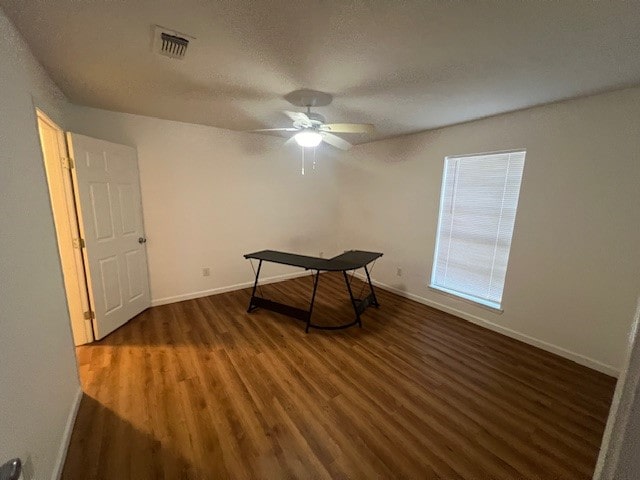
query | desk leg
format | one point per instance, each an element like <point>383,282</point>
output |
<point>373,292</point>
<point>255,285</point>
<point>353,300</point>
<point>313,298</point>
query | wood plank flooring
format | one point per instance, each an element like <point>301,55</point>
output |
<point>202,390</point>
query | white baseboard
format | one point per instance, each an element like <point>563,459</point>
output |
<point>549,347</point>
<point>66,436</point>
<point>215,291</point>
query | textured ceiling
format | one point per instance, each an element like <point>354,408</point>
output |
<point>404,66</point>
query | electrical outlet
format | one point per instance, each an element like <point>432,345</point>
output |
<point>399,272</point>
<point>206,272</point>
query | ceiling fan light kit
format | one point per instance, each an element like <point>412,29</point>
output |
<point>308,138</point>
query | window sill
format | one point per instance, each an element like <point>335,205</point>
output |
<point>464,298</point>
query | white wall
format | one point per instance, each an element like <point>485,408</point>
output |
<point>574,268</point>
<point>212,195</point>
<point>38,378</point>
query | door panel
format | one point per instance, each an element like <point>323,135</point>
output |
<point>127,209</point>
<point>133,273</point>
<point>108,190</point>
<point>111,284</point>
<point>101,206</point>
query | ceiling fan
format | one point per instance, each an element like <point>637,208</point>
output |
<point>311,128</point>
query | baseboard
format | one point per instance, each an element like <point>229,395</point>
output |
<point>549,347</point>
<point>66,436</point>
<point>215,291</point>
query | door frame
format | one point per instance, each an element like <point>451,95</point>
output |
<point>62,196</point>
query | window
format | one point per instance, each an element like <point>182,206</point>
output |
<point>478,206</point>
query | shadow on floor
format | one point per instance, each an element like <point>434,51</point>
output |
<point>122,452</point>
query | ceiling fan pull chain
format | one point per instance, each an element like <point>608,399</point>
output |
<point>302,148</point>
<point>314,158</point>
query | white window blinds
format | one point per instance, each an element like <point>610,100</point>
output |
<point>478,206</point>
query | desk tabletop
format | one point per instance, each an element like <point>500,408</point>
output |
<point>349,260</point>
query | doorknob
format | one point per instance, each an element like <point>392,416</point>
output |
<point>11,470</point>
<point>140,240</point>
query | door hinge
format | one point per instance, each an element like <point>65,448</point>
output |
<point>89,315</point>
<point>67,162</point>
<point>78,243</point>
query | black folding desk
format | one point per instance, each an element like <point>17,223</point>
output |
<point>351,260</point>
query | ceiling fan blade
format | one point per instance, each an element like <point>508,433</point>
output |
<point>298,117</point>
<point>348,127</point>
<point>335,141</point>
<point>290,141</point>
<point>283,129</point>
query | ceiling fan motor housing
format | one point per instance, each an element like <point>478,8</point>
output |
<point>308,98</point>
<point>313,120</point>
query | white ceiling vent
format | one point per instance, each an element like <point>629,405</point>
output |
<point>170,43</point>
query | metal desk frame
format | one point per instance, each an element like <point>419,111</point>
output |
<point>348,261</point>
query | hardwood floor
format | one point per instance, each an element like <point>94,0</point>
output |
<point>202,390</point>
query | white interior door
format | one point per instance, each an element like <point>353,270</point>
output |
<point>108,196</point>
